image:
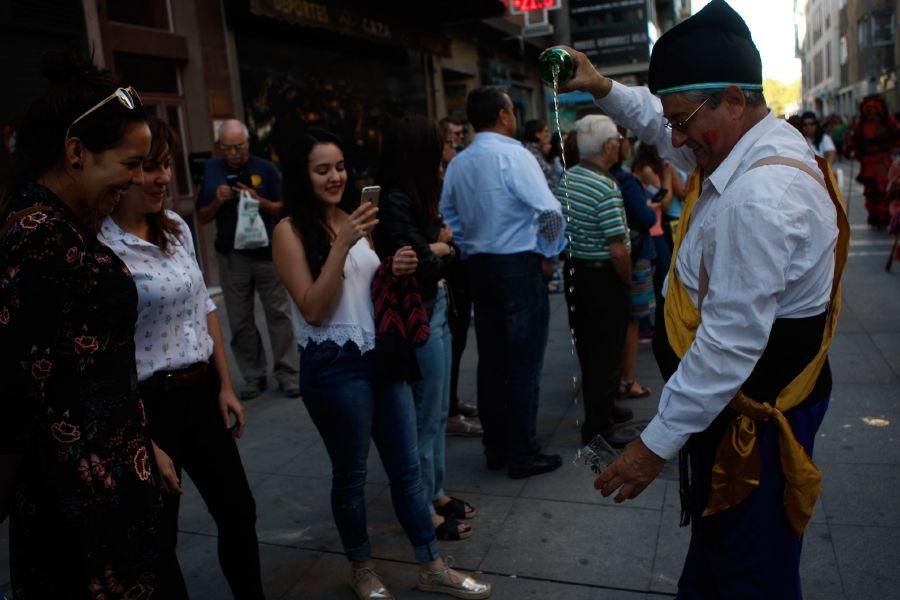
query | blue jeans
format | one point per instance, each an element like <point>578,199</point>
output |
<point>432,398</point>
<point>349,407</point>
<point>512,317</point>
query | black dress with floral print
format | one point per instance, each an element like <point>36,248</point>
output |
<point>84,518</point>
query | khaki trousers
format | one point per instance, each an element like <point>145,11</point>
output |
<point>241,278</point>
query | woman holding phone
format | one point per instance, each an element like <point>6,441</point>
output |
<point>325,258</point>
<point>183,371</point>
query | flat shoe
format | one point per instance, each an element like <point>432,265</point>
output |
<point>467,410</point>
<point>463,427</point>
<point>367,585</point>
<point>253,389</point>
<point>454,583</point>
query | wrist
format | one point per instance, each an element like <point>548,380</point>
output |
<point>600,87</point>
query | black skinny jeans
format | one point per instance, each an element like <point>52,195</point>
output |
<point>602,306</point>
<point>187,425</point>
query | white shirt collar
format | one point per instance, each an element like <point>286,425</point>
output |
<point>113,233</point>
<point>724,173</point>
<point>499,137</point>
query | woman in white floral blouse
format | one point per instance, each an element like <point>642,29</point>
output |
<point>182,369</point>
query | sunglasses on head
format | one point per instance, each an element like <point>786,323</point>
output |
<point>127,97</point>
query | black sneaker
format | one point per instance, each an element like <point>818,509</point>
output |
<point>543,463</point>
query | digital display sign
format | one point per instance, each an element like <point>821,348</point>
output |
<point>521,6</point>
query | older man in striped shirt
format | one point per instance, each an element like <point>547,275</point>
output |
<point>597,275</point>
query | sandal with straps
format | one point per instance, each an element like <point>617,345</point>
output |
<point>455,509</point>
<point>449,530</point>
<point>626,390</point>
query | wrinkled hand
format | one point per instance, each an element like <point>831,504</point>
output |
<point>248,189</point>
<point>446,234</point>
<point>587,78</point>
<point>633,471</point>
<point>167,473</point>
<point>230,405</point>
<point>223,193</point>
<point>405,262</point>
<point>360,222</point>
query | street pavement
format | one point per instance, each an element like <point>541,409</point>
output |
<point>552,536</point>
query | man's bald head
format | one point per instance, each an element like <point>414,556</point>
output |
<point>233,140</point>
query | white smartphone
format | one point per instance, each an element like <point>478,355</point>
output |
<point>371,193</point>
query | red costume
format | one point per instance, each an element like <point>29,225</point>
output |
<point>875,136</point>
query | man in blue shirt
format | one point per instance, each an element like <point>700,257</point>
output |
<point>505,220</point>
<point>244,272</point>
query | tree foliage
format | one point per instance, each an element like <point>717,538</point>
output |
<point>781,96</point>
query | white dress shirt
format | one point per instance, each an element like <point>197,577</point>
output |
<point>766,237</point>
<point>173,302</point>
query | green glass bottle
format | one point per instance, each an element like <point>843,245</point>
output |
<point>553,58</point>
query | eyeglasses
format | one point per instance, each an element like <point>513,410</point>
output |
<point>233,147</point>
<point>682,126</point>
<point>127,97</point>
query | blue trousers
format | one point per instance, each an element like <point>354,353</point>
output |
<point>749,552</point>
<point>512,317</point>
<point>349,407</point>
<point>432,399</point>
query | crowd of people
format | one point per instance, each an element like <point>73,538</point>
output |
<point>686,212</point>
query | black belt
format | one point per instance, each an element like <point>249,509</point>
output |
<point>589,264</point>
<point>178,378</point>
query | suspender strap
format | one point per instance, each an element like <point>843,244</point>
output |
<point>790,162</point>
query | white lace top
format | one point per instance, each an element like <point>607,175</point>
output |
<point>353,319</point>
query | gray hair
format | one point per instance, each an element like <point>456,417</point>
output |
<point>221,127</point>
<point>753,98</point>
<point>592,132</point>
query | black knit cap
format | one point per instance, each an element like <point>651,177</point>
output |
<point>711,50</point>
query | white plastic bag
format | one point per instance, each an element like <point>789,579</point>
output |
<point>251,230</point>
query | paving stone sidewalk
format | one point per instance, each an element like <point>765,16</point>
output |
<point>553,536</point>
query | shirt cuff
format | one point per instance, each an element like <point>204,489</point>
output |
<point>664,442</point>
<point>617,100</point>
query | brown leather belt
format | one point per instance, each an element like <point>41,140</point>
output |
<point>178,378</point>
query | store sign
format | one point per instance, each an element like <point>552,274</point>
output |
<point>303,10</point>
<point>611,32</point>
<point>345,20</point>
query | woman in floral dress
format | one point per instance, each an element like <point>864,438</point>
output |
<point>76,466</point>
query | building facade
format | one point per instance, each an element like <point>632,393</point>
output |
<point>348,65</point>
<point>849,49</point>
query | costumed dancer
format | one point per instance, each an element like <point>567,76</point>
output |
<point>751,303</point>
<point>875,137</point>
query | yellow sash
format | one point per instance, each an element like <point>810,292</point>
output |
<point>737,466</point>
